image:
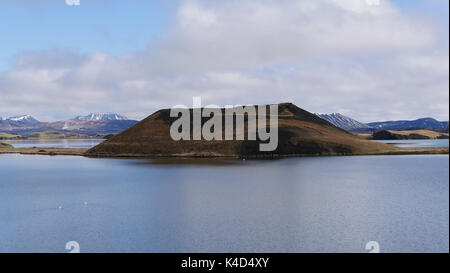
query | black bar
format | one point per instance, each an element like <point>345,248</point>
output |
<point>239,262</point>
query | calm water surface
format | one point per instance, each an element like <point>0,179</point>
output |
<point>54,143</point>
<point>322,204</point>
<point>88,143</point>
<point>417,143</point>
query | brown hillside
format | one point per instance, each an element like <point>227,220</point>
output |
<point>300,133</point>
<point>5,146</point>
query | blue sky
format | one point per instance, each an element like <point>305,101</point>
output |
<point>134,57</point>
<point>112,26</point>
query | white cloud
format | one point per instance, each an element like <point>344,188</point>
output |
<point>368,61</point>
<point>245,34</point>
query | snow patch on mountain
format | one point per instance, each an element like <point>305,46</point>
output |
<point>101,116</point>
<point>344,122</point>
<point>22,119</point>
<point>66,125</point>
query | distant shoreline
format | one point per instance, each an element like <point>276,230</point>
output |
<point>50,135</point>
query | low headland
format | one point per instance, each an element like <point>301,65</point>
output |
<point>42,151</point>
<point>410,134</point>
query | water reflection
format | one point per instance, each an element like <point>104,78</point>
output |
<point>320,204</point>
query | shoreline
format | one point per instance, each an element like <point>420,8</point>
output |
<point>82,152</point>
<point>45,151</point>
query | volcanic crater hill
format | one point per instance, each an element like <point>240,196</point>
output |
<point>301,133</point>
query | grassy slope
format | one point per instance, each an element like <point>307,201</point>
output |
<point>9,136</point>
<point>427,133</point>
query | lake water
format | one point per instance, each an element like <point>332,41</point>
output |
<point>54,143</point>
<point>417,143</point>
<point>318,204</point>
<point>89,143</point>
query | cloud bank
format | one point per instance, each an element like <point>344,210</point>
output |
<point>371,62</point>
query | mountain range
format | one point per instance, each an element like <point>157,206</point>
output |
<point>91,124</point>
<point>19,120</point>
<point>422,123</point>
<point>107,123</point>
<point>353,125</point>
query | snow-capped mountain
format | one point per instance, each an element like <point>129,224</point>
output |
<point>24,119</point>
<point>91,124</point>
<point>345,122</point>
<point>101,116</point>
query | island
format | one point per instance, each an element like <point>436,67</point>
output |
<point>300,132</point>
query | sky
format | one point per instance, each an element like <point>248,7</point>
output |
<point>371,60</point>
